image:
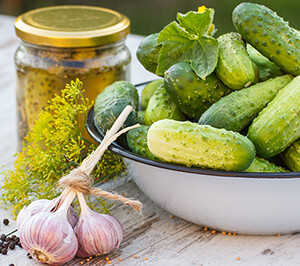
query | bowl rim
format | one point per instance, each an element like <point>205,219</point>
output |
<point>96,135</point>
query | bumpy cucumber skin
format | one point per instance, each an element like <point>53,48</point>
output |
<point>278,125</point>
<point>141,117</point>
<point>291,156</point>
<point>137,142</point>
<point>192,144</point>
<point>266,68</point>
<point>148,52</point>
<point>192,94</point>
<point>234,67</point>
<point>148,92</point>
<point>160,107</point>
<point>264,166</point>
<point>236,110</point>
<point>111,102</point>
<point>269,34</point>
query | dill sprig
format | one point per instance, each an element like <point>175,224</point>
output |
<point>52,148</point>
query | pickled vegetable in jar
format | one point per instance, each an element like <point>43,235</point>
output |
<point>61,43</point>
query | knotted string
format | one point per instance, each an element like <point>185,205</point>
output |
<point>80,181</point>
<point>79,178</point>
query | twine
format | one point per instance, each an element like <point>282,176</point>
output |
<point>79,178</point>
<point>80,181</point>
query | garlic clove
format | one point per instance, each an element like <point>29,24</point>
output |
<point>44,205</point>
<point>30,210</point>
<point>96,233</point>
<point>71,214</point>
<point>72,217</point>
<point>49,238</point>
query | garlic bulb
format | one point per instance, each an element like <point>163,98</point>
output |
<point>72,217</point>
<point>30,210</point>
<point>48,236</point>
<point>44,205</point>
<point>96,233</point>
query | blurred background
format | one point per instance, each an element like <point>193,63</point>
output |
<point>149,16</point>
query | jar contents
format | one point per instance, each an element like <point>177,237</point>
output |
<point>59,44</point>
<point>43,72</point>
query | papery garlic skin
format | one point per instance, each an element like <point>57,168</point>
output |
<point>96,233</point>
<point>72,217</point>
<point>44,205</point>
<point>49,237</point>
<point>30,210</point>
<point>71,214</point>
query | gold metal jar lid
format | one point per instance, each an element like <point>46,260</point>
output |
<point>72,26</point>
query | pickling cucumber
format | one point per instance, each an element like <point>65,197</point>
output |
<point>192,94</point>
<point>137,142</point>
<point>161,106</point>
<point>141,117</point>
<point>111,102</point>
<point>278,125</point>
<point>234,67</point>
<point>291,156</point>
<point>263,165</point>
<point>266,69</point>
<point>236,110</point>
<point>148,91</point>
<point>148,52</point>
<point>269,34</point>
<point>192,144</point>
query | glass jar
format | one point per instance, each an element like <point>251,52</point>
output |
<point>57,46</point>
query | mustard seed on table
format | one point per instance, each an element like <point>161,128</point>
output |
<point>5,221</point>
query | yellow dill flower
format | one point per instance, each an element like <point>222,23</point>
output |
<point>53,146</point>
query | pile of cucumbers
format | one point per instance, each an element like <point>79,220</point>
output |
<point>244,116</point>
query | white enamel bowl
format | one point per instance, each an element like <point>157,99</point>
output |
<point>245,203</point>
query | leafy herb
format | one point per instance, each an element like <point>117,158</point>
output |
<point>190,41</point>
<point>53,147</point>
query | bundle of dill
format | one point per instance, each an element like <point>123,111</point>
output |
<point>54,146</point>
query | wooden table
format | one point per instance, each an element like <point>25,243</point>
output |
<point>156,237</point>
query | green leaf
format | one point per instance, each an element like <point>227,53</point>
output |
<point>178,45</point>
<point>173,33</point>
<point>173,53</point>
<point>205,56</point>
<point>196,23</point>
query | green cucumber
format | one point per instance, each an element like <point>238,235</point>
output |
<point>263,165</point>
<point>192,94</point>
<point>291,156</point>
<point>148,52</point>
<point>141,117</point>
<point>111,102</point>
<point>148,91</point>
<point>269,34</point>
<point>192,144</point>
<point>234,67</point>
<point>236,110</point>
<point>137,142</point>
<point>266,69</point>
<point>278,125</point>
<point>160,107</point>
